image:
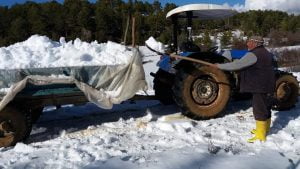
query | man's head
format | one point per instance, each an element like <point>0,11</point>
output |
<point>254,41</point>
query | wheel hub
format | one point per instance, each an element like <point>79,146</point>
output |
<point>204,91</point>
<point>284,91</point>
<point>6,130</point>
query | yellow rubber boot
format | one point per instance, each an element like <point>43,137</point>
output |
<point>261,131</point>
<point>268,126</point>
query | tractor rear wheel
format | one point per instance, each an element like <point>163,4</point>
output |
<point>202,92</point>
<point>286,91</point>
<point>14,126</point>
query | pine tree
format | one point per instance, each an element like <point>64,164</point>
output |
<point>4,19</point>
<point>207,42</point>
<point>54,13</point>
<point>36,19</point>
<point>71,9</point>
<point>18,30</point>
<point>108,21</point>
<point>226,39</point>
<point>85,21</point>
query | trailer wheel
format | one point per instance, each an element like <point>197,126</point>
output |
<point>202,92</point>
<point>35,113</point>
<point>286,91</point>
<point>162,85</point>
<point>15,126</point>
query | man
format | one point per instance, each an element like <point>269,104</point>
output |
<point>257,76</point>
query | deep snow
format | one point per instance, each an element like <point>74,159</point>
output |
<point>145,134</point>
<point>40,51</point>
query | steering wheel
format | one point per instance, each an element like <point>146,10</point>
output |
<point>213,49</point>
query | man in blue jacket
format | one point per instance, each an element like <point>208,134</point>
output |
<point>257,76</point>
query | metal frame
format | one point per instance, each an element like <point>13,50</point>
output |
<point>189,24</point>
<point>191,11</point>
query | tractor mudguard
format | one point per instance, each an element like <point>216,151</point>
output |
<point>238,54</point>
<point>169,65</point>
<point>210,57</point>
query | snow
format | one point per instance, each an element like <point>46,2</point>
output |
<point>146,134</point>
<point>39,52</point>
<point>23,148</point>
<point>155,45</point>
<point>297,75</point>
<point>237,33</point>
<point>149,60</point>
<point>296,47</point>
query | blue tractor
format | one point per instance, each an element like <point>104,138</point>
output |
<point>202,92</point>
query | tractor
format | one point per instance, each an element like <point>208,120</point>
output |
<point>201,91</point>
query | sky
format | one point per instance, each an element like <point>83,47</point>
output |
<point>290,6</point>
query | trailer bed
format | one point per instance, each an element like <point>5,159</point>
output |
<point>103,85</point>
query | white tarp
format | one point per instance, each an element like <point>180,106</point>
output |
<point>103,85</point>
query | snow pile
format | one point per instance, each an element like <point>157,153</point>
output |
<point>150,59</point>
<point>40,52</point>
<point>155,45</point>
<point>23,148</point>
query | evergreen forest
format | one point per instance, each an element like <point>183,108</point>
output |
<point>108,19</point>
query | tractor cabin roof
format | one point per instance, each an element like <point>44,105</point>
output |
<point>203,11</point>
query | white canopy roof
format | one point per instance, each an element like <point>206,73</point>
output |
<point>204,11</point>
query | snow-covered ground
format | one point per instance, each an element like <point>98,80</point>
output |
<point>146,134</point>
<point>297,47</point>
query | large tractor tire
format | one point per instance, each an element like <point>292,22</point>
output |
<point>286,91</point>
<point>162,85</point>
<point>202,92</point>
<point>15,126</point>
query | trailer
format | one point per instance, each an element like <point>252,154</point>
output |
<point>29,90</point>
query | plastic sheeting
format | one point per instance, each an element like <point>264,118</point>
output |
<point>102,85</point>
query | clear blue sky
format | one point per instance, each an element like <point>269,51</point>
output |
<point>178,2</point>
